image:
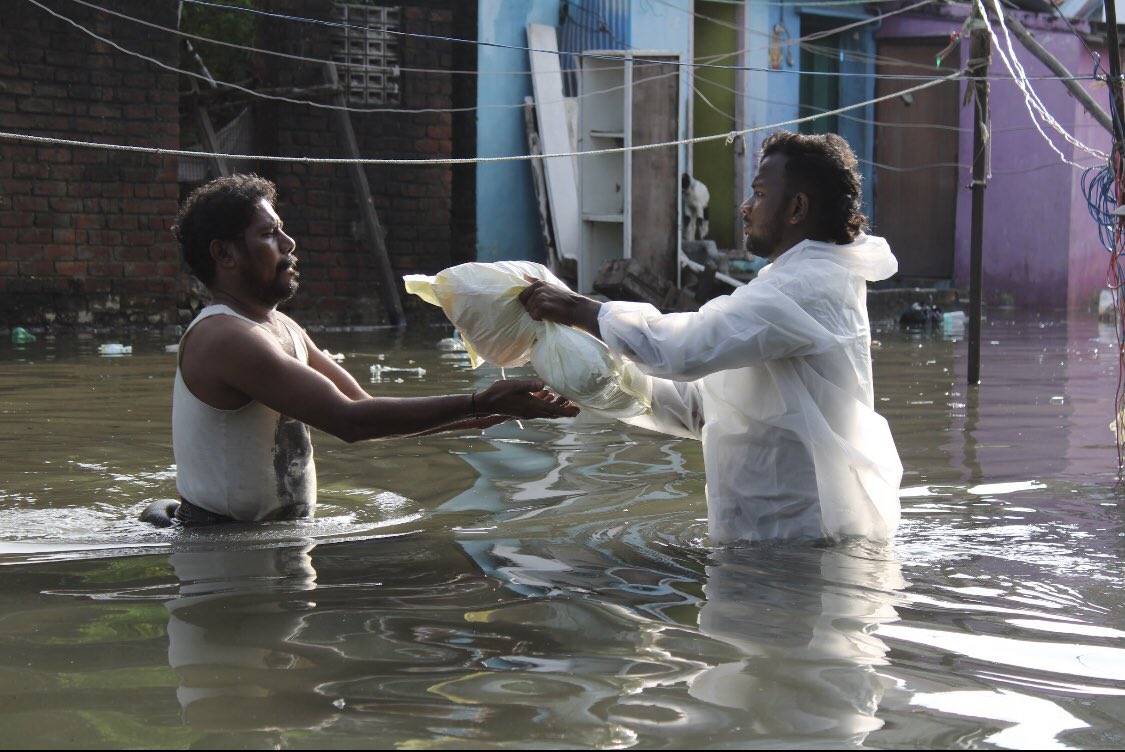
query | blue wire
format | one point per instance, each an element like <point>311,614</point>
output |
<point>1100,190</point>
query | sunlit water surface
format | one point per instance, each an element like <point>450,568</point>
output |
<point>551,585</point>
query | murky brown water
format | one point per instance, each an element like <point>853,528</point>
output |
<point>550,585</point>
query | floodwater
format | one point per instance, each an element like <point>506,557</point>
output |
<point>550,584</point>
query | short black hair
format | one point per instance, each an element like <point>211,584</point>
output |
<point>825,168</point>
<point>219,210</point>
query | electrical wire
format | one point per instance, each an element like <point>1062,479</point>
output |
<point>393,69</point>
<point>1034,104</point>
<point>596,56</point>
<point>311,103</point>
<point>729,137</point>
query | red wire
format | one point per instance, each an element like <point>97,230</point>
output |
<point>1114,279</point>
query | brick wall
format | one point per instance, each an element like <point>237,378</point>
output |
<point>340,280</point>
<point>84,236</point>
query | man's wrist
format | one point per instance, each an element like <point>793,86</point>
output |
<point>589,311</point>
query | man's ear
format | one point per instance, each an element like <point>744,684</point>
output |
<point>222,251</point>
<point>799,208</point>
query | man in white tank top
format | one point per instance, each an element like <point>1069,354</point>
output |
<point>250,382</point>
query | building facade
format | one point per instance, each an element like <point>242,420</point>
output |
<point>85,233</point>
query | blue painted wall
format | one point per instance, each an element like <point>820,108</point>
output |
<point>774,96</point>
<point>507,215</point>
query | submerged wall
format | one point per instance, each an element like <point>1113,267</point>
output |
<point>84,233</point>
<point>1040,244</point>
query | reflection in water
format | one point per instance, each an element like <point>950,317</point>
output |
<point>798,625</point>
<point>806,635</point>
<point>231,637</point>
<point>549,586</point>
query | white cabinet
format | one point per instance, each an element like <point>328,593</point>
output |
<point>629,202</point>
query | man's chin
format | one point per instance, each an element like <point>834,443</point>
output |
<point>755,249</point>
<point>283,294</point>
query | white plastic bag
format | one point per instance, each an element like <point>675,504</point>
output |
<point>581,368</point>
<point>482,301</point>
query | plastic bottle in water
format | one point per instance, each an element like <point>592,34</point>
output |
<point>953,322</point>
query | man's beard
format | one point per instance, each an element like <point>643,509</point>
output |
<point>280,290</point>
<point>284,289</point>
<point>763,247</point>
<point>767,244</point>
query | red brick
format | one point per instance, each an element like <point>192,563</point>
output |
<point>36,268</point>
<point>56,252</point>
<point>140,269</point>
<point>71,268</point>
<point>105,270</point>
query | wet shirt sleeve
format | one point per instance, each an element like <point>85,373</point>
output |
<point>677,409</point>
<point>759,322</point>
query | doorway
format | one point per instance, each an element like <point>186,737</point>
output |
<point>916,150</point>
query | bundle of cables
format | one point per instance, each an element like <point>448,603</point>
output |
<point>1102,186</point>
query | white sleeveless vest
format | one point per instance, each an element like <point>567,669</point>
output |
<point>248,464</point>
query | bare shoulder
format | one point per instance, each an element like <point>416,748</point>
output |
<point>217,336</point>
<point>221,351</point>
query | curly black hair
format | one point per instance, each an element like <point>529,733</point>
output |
<point>824,168</point>
<point>219,210</point>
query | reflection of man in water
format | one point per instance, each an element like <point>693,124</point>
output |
<point>800,622</point>
<point>231,640</point>
<point>250,381</point>
<point>803,619</point>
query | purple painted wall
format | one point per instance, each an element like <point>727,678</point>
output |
<point>1040,245</point>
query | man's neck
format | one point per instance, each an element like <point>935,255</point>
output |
<point>244,305</point>
<point>791,244</point>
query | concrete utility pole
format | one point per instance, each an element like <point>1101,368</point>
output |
<point>980,51</point>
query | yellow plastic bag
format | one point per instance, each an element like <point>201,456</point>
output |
<point>482,301</point>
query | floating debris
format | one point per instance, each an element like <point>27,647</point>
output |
<point>115,348</point>
<point>381,373</point>
<point>173,348</point>
<point>451,344</point>
<point>21,336</point>
<point>338,357</point>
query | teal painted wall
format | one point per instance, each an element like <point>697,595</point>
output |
<point>507,214</point>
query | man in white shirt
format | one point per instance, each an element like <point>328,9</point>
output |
<point>775,378</point>
<point>250,381</point>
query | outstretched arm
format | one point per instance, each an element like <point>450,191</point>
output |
<point>246,360</point>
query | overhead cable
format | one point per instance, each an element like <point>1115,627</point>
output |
<point>594,55</point>
<point>728,137</point>
<point>1034,104</point>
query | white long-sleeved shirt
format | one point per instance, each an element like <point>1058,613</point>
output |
<point>776,381</point>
